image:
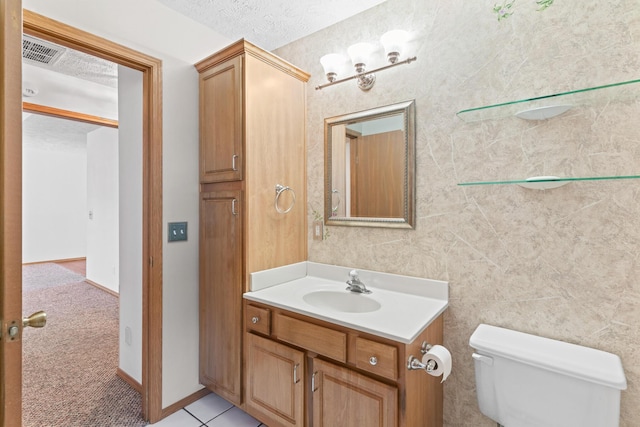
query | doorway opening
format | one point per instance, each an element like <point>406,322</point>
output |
<point>70,211</point>
<point>151,259</point>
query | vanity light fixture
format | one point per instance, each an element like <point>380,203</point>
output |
<point>360,53</point>
<point>331,64</point>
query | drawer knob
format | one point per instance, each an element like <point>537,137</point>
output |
<point>255,319</point>
<point>373,360</point>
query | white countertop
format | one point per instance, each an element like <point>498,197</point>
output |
<point>407,304</point>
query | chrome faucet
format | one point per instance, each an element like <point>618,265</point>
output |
<point>355,285</point>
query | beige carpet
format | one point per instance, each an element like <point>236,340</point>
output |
<point>69,372</point>
<point>47,275</point>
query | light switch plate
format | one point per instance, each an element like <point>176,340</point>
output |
<point>177,231</point>
<point>318,230</point>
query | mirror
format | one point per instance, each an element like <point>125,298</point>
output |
<point>370,167</point>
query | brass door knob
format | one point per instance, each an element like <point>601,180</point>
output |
<point>36,320</point>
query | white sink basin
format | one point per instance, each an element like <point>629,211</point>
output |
<point>399,307</point>
<point>343,301</point>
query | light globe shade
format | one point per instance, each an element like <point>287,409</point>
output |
<point>393,42</point>
<point>360,52</point>
<point>332,63</point>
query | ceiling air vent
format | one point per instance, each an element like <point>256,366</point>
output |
<point>39,51</point>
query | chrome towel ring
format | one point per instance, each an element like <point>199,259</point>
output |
<point>279,190</point>
<point>334,209</point>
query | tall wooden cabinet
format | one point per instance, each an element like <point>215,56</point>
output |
<point>252,138</point>
<point>220,269</point>
<point>221,122</point>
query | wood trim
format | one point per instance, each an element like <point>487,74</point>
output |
<point>55,261</point>
<point>241,47</point>
<point>223,55</point>
<point>151,68</point>
<point>129,380</point>
<point>102,288</point>
<point>10,212</point>
<point>152,242</point>
<point>352,134</point>
<point>48,29</point>
<point>184,402</point>
<point>67,114</point>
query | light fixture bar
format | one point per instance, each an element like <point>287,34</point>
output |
<point>355,76</point>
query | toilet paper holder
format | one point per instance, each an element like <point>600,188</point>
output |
<point>414,363</point>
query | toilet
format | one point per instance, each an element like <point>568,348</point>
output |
<point>525,380</point>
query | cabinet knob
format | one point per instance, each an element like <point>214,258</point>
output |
<point>373,360</point>
<point>255,319</point>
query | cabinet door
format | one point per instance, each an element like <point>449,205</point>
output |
<point>342,397</point>
<point>275,382</point>
<point>221,136</point>
<point>221,293</point>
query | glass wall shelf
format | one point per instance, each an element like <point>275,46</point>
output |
<point>548,182</point>
<point>544,107</point>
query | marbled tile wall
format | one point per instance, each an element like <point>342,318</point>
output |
<point>560,263</point>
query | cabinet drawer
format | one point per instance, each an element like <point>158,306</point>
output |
<point>310,336</point>
<point>377,358</point>
<point>258,319</point>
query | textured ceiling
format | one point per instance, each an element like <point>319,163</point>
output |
<point>269,24</point>
<point>78,64</point>
<point>87,67</point>
<point>49,133</point>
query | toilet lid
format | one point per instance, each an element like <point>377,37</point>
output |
<point>569,359</point>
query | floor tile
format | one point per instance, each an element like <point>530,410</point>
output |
<point>208,407</point>
<point>179,419</point>
<point>234,418</point>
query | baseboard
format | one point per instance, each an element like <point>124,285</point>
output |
<point>129,380</point>
<point>184,402</point>
<point>55,261</point>
<point>103,288</point>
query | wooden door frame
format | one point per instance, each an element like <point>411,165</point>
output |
<point>10,139</point>
<point>10,212</point>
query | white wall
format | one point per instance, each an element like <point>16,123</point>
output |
<point>54,200</point>
<point>181,259</point>
<point>151,28</point>
<point>130,219</point>
<point>70,93</point>
<point>102,207</point>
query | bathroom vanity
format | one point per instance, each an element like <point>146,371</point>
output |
<point>319,355</point>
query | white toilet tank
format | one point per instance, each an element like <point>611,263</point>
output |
<point>524,380</point>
